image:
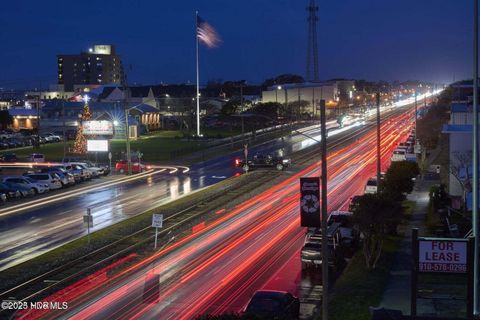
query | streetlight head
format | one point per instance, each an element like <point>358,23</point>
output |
<point>279,88</point>
<point>85,98</point>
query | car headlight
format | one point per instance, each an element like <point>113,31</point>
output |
<point>285,160</point>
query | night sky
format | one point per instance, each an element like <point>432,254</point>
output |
<point>370,39</point>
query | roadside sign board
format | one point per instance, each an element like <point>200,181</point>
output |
<point>442,255</point>
<point>157,220</point>
<point>88,220</point>
<point>443,266</point>
<point>95,127</point>
<point>310,202</point>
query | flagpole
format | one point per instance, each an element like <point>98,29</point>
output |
<point>198,82</point>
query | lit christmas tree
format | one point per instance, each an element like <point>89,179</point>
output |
<point>80,144</point>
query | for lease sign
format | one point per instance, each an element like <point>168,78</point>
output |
<point>442,256</point>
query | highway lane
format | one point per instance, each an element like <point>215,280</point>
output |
<point>26,234</point>
<point>217,269</point>
<point>30,233</point>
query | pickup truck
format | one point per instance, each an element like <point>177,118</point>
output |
<point>311,254</point>
<point>262,161</point>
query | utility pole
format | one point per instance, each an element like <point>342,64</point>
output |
<point>241,109</point>
<point>325,257</point>
<point>416,113</point>
<point>379,160</point>
<point>63,126</point>
<point>38,119</point>
<point>298,107</point>
<point>313,105</point>
<point>475,163</point>
<point>312,51</point>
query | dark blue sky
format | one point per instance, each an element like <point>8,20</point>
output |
<point>370,39</point>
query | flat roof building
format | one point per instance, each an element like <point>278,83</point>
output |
<point>99,65</point>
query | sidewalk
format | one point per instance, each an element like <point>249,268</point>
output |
<point>397,291</point>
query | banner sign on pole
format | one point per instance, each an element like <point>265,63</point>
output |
<point>310,202</point>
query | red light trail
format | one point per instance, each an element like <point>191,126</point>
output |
<point>217,268</point>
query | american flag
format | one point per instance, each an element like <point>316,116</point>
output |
<point>207,34</point>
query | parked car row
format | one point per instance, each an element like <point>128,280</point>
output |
<point>343,237</point>
<point>405,150</point>
<point>48,178</point>
<point>10,140</point>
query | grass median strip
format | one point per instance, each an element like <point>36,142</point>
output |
<point>80,247</point>
<point>358,288</point>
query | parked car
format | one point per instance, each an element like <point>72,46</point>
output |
<point>5,135</point>
<point>3,197</point>
<point>80,171</point>
<point>14,143</point>
<point>24,191</point>
<point>273,305</point>
<point>49,178</point>
<point>8,157</point>
<point>10,191</point>
<point>33,185</point>
<point>66,178</point>
<point>34,138</point>
<point>348,231</point>
<point>92,171</point>
<point>51,137</point>
<point>399,155</point>
<point>96,171</point>
<point>372,185</point>
<point>77,172</point>
<point>103,168</point>
<point>36,157</point>
<point>121,166</point>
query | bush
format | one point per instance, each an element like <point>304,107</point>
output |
<point>398,180</point>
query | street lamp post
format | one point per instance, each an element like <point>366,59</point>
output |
<point>416,113</point>
<point>378,140</point>
<point>38,121</point>
<point>127,134</point>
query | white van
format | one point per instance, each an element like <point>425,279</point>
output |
<point>399,155</point>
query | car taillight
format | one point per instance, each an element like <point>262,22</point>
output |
<point>237,162</point>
